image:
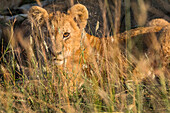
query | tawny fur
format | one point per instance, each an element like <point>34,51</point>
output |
<point>165,45</point>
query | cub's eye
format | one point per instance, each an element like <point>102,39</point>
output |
<point>66,35</point>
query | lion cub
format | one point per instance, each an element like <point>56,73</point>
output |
<point>69,44</point>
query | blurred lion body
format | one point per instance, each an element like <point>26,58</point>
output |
<point>163,39</point>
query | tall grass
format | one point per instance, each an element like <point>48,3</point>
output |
<point>112,82</point>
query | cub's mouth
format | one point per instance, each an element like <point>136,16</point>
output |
<point>58,57</point>
<point>59,61</point>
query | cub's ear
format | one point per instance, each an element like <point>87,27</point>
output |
<point>80,13</point>
<point>38,15</point>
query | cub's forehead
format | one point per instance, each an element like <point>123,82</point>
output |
<point>59,18</point>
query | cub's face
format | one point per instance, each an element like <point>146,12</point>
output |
<point>64,29</point>
<point>66,36</point>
